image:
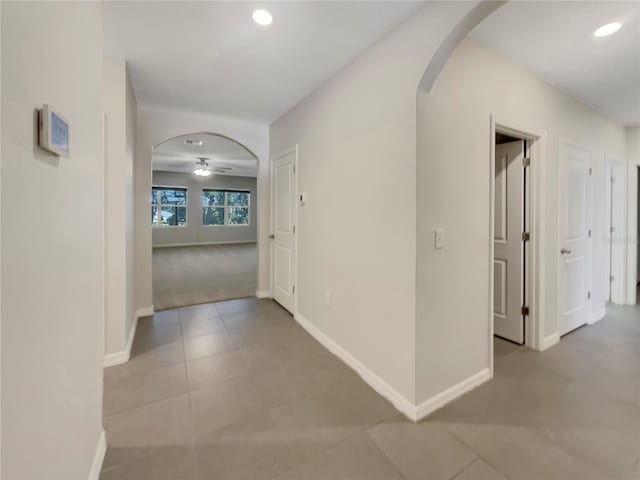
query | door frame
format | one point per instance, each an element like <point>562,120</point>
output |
<point>535,271</point>
<point>633,190</point>
<point>283,153</point>
<point>617,269</point>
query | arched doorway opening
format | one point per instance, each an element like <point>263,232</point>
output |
<point>204,220</point>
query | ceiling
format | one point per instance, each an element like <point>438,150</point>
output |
<point>225,156</point>
<point>211,56</point>
<point>555,41</point>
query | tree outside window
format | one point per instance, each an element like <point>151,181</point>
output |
<point>225,207</point>
<point>168,207</point>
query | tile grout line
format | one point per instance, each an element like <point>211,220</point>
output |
<point>478,454</point>
<point>462,470</point>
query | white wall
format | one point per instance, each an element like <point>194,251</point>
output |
<point>156,126</point>
<point>0,242</point>
<point>194,232</point>
<point>356,234</point>
<point>52,242</point>
<point>453,185</point>
<point>120,116</point>
<point>633,143</point>
<point>633,202</point>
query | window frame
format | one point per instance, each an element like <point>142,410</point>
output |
<point>226,207</point>
<point>160,205</point>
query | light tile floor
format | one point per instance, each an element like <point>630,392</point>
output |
<point>237,390</point>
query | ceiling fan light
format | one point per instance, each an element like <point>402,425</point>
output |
<point>202,167</point>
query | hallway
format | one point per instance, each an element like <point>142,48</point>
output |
<point>237,390</point>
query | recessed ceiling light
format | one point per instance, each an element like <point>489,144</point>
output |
<point>607,29</point>
<point>262,17</point>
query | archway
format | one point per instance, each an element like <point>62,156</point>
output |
<point>204,220</point>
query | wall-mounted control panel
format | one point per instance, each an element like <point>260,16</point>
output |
<point>53,131</point>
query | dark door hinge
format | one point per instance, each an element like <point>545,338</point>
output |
<point>526,236</point>
<point>526,161</point>
<point>588,295</point>
<point>525,311</point>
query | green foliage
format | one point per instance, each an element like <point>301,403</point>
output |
<point>212,216</point>
<point>238,216</point>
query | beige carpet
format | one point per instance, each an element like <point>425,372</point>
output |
<point>202,274</point>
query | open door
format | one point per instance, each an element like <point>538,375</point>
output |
<point>575,238</point>
<point>508,258</point>
<point>283,189</point>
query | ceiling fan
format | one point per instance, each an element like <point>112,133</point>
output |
<point>202,167</point>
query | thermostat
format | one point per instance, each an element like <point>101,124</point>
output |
<point>53,132</point>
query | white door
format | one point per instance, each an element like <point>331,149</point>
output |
<point>508,261</point>
<point>283,191</point>
<point>575,238</point>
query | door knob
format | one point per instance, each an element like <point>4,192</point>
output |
<point>565,251</point>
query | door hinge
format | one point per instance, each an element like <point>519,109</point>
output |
<point>294,229</point>
<point>589,233</point>
<point>293,289</point>
<point>612,278</point>
<point>525,311</point>
<point>613,179</point>
<point>526,236</point>
<point>294,169</point>
<point>590,170</point>
<point>588,295</point>
<point>612,229</point>
<point>526,161</point>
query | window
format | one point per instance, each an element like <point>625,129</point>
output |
<point>168,207</point>
<point>225,207</point>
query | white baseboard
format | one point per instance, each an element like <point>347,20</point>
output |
<point>204,244</point>
<point>144,312</point>
<point>550,341</point>
<point>263,293</point>
<point>123,356</point>
<point>116,358</point>
<point>439,400</point>
<point>411,411</point>
<point>597,316</point>
<point>374,381</point>
<point>98,458</point>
